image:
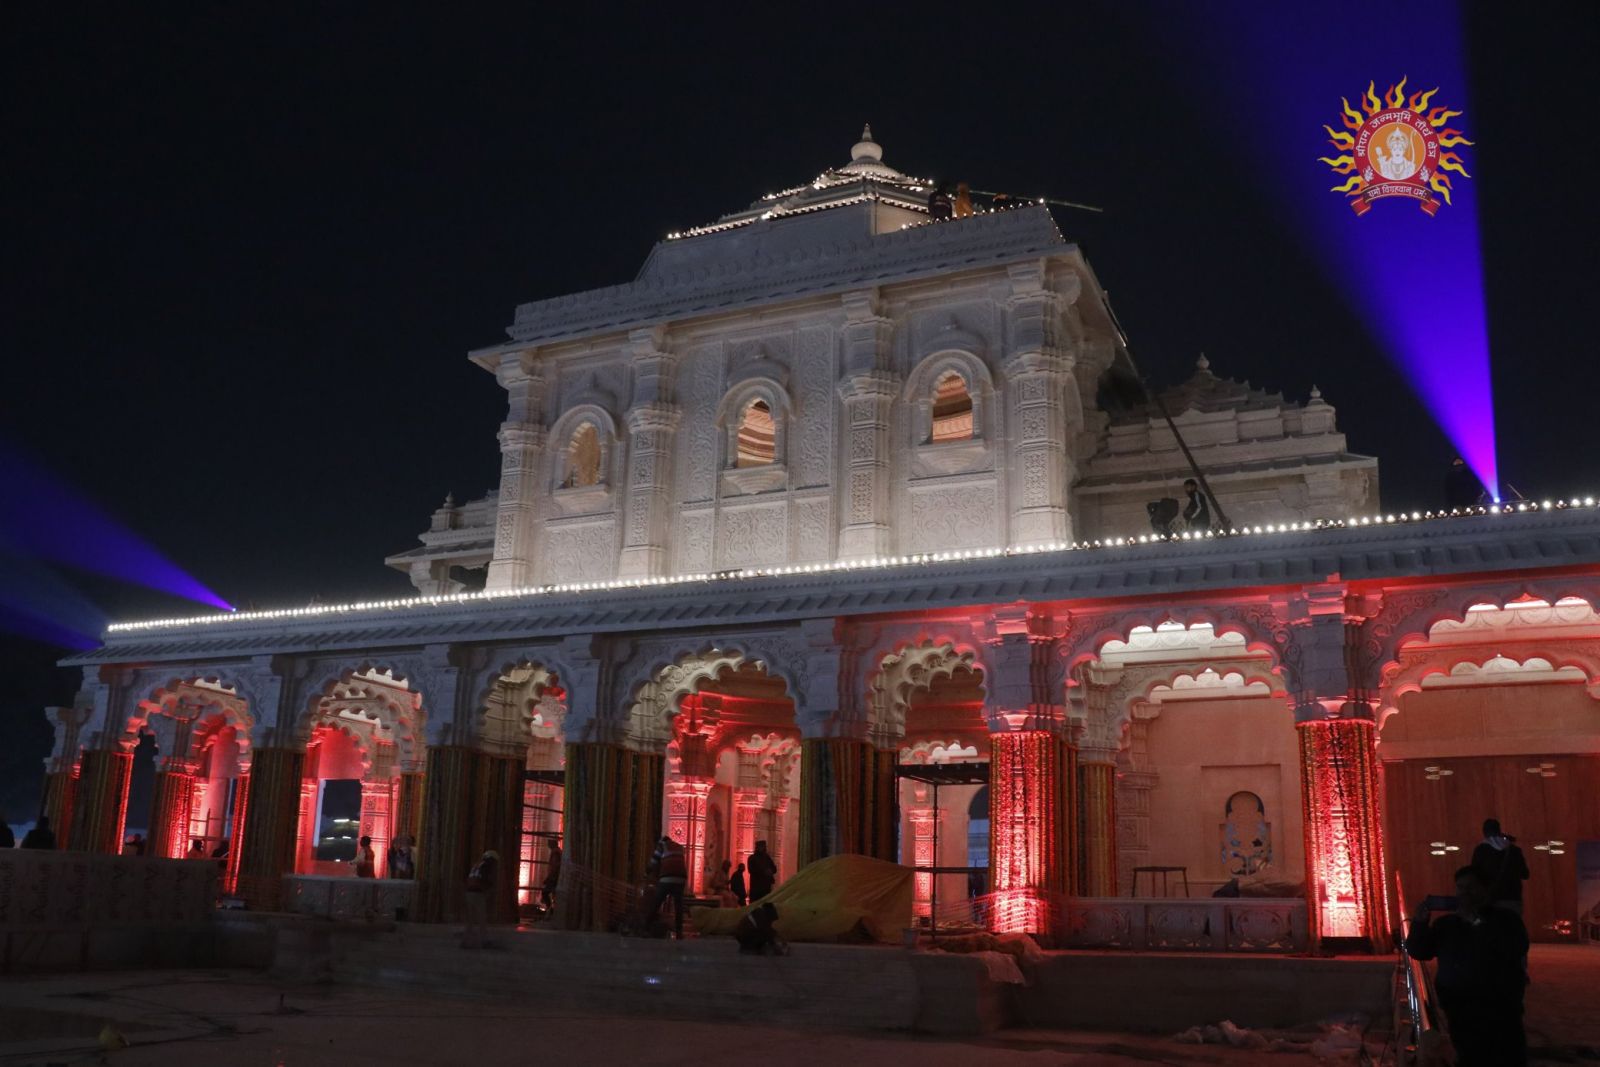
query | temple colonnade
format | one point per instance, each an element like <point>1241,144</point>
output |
<point>1087,719</point>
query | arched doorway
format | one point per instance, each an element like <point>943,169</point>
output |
<point>928,699</point>
<point>1495,715</point>
<point>524,715</point>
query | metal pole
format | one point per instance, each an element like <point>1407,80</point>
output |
<point>1200,475</point>
<point>933,892</point>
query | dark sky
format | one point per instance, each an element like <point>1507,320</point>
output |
<point>244,255</point>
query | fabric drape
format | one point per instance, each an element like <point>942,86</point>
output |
<point>60,791</point>
<point>100,808</point>
<point>612,819</point>
<point>1097,808</point>
<point>847,801</point>
<point>270,799</point>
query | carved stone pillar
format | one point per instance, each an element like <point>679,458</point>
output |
<point>1033,789</point>
<point>1097,784</point>
<point>305,851</point>
<point>271,804</point>
<point>652,425</point>
<point>1334,705</point>
<point>522,441</point>
<point>61,768</point>
<point>924,819</point>
<point>376,800</point>
<point>687,799</point>
<point>868,390</point>
<point>1038,375</point>
<point>100,809</point>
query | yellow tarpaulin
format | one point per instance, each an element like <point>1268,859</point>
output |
<point>829,900</point>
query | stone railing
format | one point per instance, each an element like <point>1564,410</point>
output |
<point>79,890</point>
<point>1167,924</point>
<point>344,897</point>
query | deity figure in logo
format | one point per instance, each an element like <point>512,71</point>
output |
<point>1246,835</point>
<point>1397,164</point>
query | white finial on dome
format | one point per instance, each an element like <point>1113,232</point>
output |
<point>1203,363</point>
<point>866,150</point>
<point>1316,394</point>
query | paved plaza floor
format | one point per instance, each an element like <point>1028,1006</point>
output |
<point>244,1018</point>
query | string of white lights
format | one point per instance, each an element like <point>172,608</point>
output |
<point>876,563</point>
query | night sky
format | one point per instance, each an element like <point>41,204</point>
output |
<point>244,255</point>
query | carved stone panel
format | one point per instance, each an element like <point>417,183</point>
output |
<point>952,516</point>
<point>812,458</point>
<point>813,520</point>
<point>752,536</point>
<point>700,388</point>
<point>580,551</point>
<point>692,540</point>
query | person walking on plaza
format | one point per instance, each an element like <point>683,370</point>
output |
<point>736,887</point>
<point>671,876</point>
<point>1502,866</point>
<point>718,886</point>
<point>41,836</point>
<point>552,875</point>
<point>366,861</point>
<point>478,897</point>
<point>1480,978</point>
<point>763,872</point>
<point>402,862</point>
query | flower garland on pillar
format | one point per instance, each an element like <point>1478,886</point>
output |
<point>169,817</point>
<point>1032,789</point>
<point>1343,838</point>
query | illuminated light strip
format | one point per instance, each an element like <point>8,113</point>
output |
<point>876,563</point>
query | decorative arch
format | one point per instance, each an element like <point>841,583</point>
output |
<point>653,700</point>
<point>216,702</point>
<point>911,667</point>
<point>404,719</point>
<point>1105,722</point>
<point>731,411</point>
<point>1408,616</point>
<point>562,434</point>
<point>1263,629</point>
<point>918,394</point>
<point>1545,658</point>
<point>536,708</point>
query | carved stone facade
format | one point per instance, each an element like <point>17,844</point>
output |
<point>713,610</point>
<point>840,315</point>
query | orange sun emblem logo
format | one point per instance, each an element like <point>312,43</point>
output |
<point>1399,147</point>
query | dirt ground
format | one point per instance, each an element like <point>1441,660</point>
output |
<point>178,1018</point>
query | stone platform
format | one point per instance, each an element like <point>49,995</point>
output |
<point>850,987</point>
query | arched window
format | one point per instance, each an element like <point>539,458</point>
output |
<point>758,441</point>
<point>952,409</point>
<point>583,457</point>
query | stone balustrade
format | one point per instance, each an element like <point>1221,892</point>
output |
<point>344,897</point>
<point>1166,924</point>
